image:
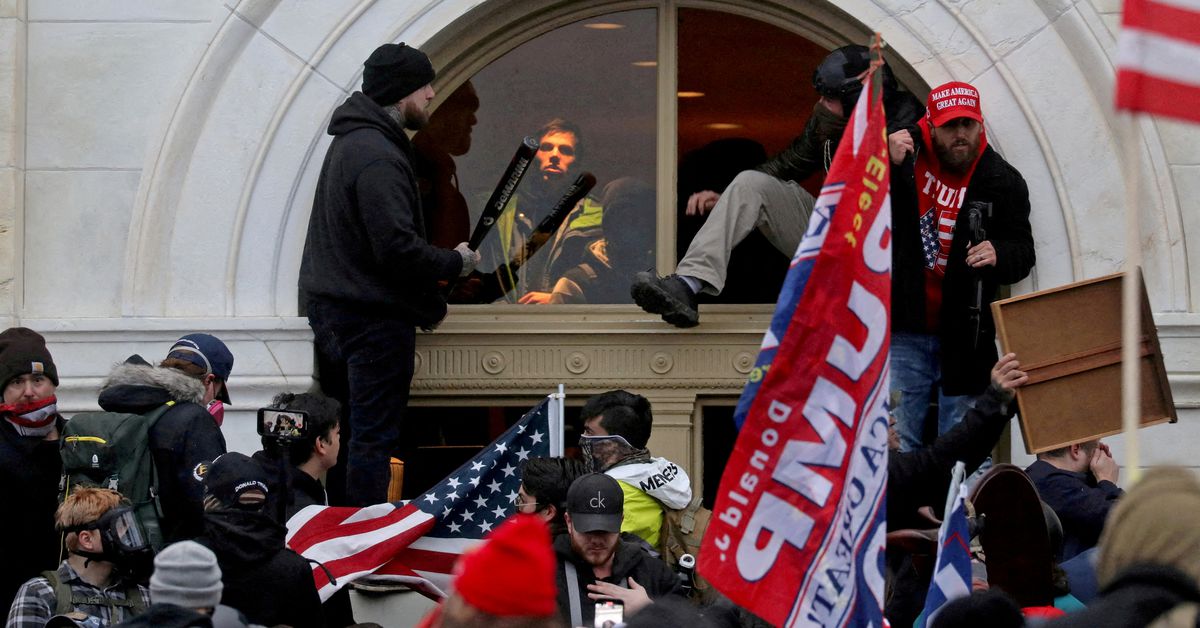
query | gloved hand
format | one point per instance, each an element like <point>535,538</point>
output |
<point>470,259</point>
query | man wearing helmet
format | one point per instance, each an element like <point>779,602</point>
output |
<point>770,198</point>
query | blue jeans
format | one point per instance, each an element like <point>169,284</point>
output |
<point>377,355</point>
<point>916,374</point>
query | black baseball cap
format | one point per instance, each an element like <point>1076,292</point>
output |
<point>595,503</point>
<point>236,481</point>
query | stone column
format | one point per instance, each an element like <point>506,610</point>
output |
<point>12,149</point>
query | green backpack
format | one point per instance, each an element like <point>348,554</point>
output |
<point>112,450</point>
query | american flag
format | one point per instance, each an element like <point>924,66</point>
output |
<point>952,575</point>
<point>416,543</point>
<point>1158,58</point>
<point>929,243</point>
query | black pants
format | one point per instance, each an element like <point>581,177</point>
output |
<point>376,353</point>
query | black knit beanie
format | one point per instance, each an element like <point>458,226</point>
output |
<point>394,71</point>
<point>23,351</point>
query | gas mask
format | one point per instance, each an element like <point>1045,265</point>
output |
<point>35,418</point>
<point>602,452</point>
<point>125,544</point>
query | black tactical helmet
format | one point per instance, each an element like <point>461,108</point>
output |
<point>837,76</point>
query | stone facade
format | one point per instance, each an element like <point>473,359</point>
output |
<point>158,160</point>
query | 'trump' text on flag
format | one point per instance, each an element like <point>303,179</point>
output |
<point>798,530</point>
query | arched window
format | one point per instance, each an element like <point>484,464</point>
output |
<point>656,102</point>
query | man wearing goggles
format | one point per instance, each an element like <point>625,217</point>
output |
<point>616,429</point>
<point>106,554</point>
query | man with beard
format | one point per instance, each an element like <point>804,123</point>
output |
<point>30,467</point>
<point>560,150</point>
<point>944,275</point>
<point>368,274</point>
<point>595,564</point>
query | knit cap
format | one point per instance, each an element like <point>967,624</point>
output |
<point>394,71</point>
<point>1155,522</point>
<point>512,573</point>
<point>186,574</point>
<point>23,351</point>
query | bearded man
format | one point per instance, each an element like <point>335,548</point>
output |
<point>595,564</point>
<point>960,229</point>
<point>369,276</point>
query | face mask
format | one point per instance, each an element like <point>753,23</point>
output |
<point>217,409</point>
<point>32,419</point>
<point>125,543</point>
<point>601,452</point>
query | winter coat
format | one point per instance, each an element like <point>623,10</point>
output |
<point>967,356</point>
<point>30,468</point>
<point>184,438</point>
<point>1081,503</point>
<point>263,579</point>
<point>173,616</point>
<point>811,151</point>
<point>648,488</point>
<point>629,562</point>
<point>367,246</point>
<point>1136,597</point>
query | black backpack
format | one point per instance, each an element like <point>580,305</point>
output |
<point>112,450</point>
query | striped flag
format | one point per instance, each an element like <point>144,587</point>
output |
<point>1158,58</point>
<point>417,543</point>
<point>797,533</point>
<point>952,574</point>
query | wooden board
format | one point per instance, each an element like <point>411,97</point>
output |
<point>1069,341</point>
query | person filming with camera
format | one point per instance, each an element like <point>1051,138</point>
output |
<point>301,437</point>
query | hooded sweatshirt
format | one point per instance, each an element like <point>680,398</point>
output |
<point>649,487</point>
<point>367,248</point>
<point>263,579</point>
<point>181,441</point>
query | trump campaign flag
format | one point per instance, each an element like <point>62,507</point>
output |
<point>952,574</point>
<point>417,543</point>
<point>1158,58</point>
<point>797,535</point>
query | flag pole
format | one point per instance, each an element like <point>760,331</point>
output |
<point>1131,306</point>
<point>557,438</point>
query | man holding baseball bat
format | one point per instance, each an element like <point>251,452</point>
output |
<point>368,275</point>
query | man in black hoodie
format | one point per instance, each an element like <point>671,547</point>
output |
<point>262,578</point>
<point>368,275</point>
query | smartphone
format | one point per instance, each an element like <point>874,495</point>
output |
<point>609,613</point>
<point>286,423</point>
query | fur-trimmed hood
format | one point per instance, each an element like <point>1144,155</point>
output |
<point>138,387</point>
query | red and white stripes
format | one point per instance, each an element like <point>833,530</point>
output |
<point>1158,58</point>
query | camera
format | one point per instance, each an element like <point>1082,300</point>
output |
<point>282,425</point>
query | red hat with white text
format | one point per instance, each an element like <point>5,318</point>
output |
<point>953,100</point>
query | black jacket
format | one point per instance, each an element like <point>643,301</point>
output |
<point>268,582</point>
<point>168,616</point>
<point>185,437</point>
<point>367,245</point>
<point>819,141</point>
<point>965,368</point>
<point>30,468</point>
<point>629,562</point>
<point>1081,503</point>
<point>1136,597</point>
<point>922,477</point>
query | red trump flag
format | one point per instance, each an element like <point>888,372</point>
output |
<point>798,529</point>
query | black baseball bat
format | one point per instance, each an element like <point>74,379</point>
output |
<point>504,190</point>
<point>545,229</point>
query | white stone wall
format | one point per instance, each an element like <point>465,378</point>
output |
<point>157,161</point>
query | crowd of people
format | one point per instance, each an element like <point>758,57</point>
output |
<point>139,516</point>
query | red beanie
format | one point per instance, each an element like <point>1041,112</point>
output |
<point>512,573</point>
